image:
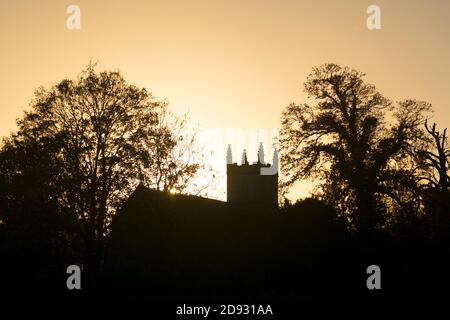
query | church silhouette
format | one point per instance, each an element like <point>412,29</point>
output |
<point>173,245</point>
<point>252,184</point>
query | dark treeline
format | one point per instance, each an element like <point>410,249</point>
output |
<point>68,174</point>
<point>185,249</point>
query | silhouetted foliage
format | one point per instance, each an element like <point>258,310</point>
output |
<point>83,147</point>
<point>174,160</point>
<point>184,248</point>
<point>66,197</point>
<point>38,237</point>
<point>364,161</point>
<point>434,168</point>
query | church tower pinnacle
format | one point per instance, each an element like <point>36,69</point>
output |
<point>253,184</point>
<point>244,158</point>
<point>229,155</point>
<point>261,154</point>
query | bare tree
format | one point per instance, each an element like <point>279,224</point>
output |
<point>173,158</point>
<point>434,180</point>
<point>436,163</point>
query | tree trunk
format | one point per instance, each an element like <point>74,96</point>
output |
<point>368,217</point>
<point>94,253</point>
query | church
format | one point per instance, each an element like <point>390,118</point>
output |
<point>175,244</point>
<point>253,184</point>
<point>175,247</point>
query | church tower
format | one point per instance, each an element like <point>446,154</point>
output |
<point>253,184</point>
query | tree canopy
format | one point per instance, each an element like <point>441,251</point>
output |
<point>85,145</point>
<point>358,142</point>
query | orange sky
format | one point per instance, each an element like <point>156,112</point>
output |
<point>232,64</point>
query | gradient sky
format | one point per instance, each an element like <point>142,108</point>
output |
<point>231,64</point>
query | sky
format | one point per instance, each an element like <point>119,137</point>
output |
<point>233,65</point>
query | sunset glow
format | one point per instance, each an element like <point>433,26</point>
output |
<point>229,64</point>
